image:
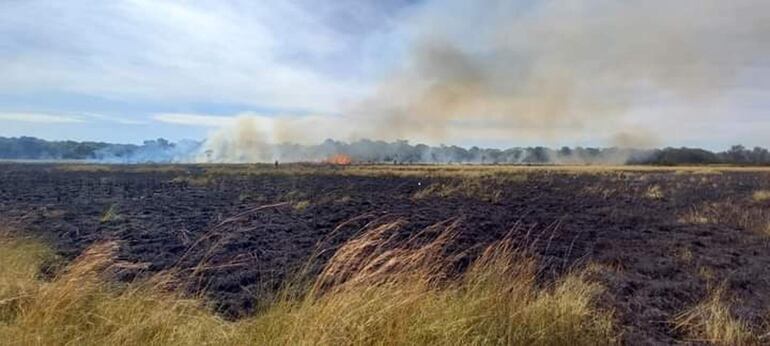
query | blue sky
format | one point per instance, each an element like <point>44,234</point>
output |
<point>126,71</point>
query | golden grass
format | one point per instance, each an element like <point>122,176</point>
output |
<point>194,180</point>
<point>301,205</point>
<point>144,168</point>
<point>481,189</point>
<point>20,260</point>
<point>654,192</point>
<point>711,321</point>
<point>761,196</point>
<point>753,219</point>
<point>111,214</point>
<point>375,290</point>
<point>78,308</point>
<point>426,170</point>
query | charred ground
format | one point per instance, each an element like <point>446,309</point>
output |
<point>661,238</point>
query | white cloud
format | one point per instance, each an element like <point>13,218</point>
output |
<point>193,119</point>
<point>115,119</point>
<point>40,118</point>
<point>273,54</point>
<point>310,57</point>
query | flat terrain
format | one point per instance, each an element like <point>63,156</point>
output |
<point>660,240</point>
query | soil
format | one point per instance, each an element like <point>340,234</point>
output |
<point>663,238</point>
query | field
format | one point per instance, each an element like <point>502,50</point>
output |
<point>666,254</point>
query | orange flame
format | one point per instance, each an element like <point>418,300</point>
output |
<point>339,159</point>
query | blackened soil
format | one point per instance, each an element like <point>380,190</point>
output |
<point>663,238</point>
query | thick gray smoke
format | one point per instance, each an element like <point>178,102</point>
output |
<point>563,70</point>
<point>556,72</point>
<point>367,151</point>
<point>362,151</point>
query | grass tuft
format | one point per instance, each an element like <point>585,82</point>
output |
<point>301,205</point>
<point>380,290</point>
<point>761,196</point>
<point>111,214</point>
<point>482,188</point>
<point>377,289</point>
<point>77,307</point>
<point>754,219</point>
<point>711,321</point>
<point>20,260</point>
<point>654,192</point>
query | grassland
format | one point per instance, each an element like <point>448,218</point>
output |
<point>630,255</point>
<point>361,298</point>
<point>424,170</point>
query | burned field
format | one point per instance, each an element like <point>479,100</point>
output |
<point>659,241</point>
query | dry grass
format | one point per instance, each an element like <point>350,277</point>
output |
<point>111,214</point>
<point>654,192</point>
<point>145,168</point>
<point>481,189</point>
<point>761,196</point>
<point>376,290</point>
<point>425,170</point>
<point>684,254</point>
<point>380,290</point>
<point>194,180</point>
<point>20,260</point>
<point>485,188</point>
<point>77,307</point>
<point>712,322</point>
<point>301,205</point>
<point>753,219</point>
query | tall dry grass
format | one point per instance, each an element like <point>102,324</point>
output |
<point>20,261</point>
<point>79,308</point>
<point>712,322</point>
<point>761,195</point>
<point>378,289</point>
<point>752,218</point>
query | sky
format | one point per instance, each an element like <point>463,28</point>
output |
<point>487,73</point>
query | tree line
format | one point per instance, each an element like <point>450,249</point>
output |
<point>399,152</point>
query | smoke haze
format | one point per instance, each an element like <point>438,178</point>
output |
<point>555,72</point>
<point>565,69</point>
<point>255,80</point>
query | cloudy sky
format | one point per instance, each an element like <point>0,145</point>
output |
<point>490,73</point>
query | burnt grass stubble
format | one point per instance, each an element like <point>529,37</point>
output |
<point>242,237</point>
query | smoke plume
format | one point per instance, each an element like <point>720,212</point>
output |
<point>557,72</point>
<point>564,69</point>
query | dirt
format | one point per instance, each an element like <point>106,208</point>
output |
<point>662,239</point>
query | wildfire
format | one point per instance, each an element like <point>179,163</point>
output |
<point>339,159</point>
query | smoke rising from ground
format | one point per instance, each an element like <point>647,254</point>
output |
<point>565,69</point>
<point>368,151</point>
<point>553,72</point>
